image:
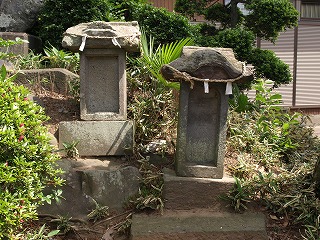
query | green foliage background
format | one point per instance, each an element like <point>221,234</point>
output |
<point>58,15</point>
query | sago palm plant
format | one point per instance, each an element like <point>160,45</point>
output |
<point>154,58</point>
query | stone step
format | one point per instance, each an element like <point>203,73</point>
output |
<point>184,193</point>
<point>194,225</point>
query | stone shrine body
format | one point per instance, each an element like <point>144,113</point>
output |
<point>206,76</point>
<point>103,87</point>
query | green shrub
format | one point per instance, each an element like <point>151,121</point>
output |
<point>203,34</point>
<point>30,61</point>
<point>58,15</point>
<point>240,40</point>
<point>123,9</point>
<point>26,157</point>
<point>163,25</point>
<point>219,13</point>
<point>266,19</point>
<point>52,58</point>
<point>269,66</point>
<point>190,8</point>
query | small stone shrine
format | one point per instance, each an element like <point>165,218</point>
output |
<point>206,76</point>
<point>103,87</point>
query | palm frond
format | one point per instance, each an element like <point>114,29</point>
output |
<point>154,59</point>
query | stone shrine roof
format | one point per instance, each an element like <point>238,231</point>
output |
<point>101,34</point>
<point>207,65</point>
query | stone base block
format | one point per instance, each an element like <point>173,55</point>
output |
<point>34,43</point>
<point>199,226</point>
<point>201,171</point>
<point>106,180</point>
<point>98,138</point>
<point>185,193</point>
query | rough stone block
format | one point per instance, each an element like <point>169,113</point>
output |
<point>103,85</point>
<point>98,138</point>
<point>34,43</point>
<point>52,79</point>
<point>106,180</point>
<point>185,193</point>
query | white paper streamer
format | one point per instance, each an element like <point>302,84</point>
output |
<point>229,88</point>
<point>206,86</point>
<point>115,42</point>
<point>83,43</point>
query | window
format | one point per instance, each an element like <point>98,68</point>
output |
<point>310,9</point>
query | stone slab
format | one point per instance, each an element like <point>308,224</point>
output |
<point>103,86</point>
<point>196,226</point>
<point>109,181</point>
<point>56,80</point>
<point>98,138</point>
<point>34,43</point>
<point>186,193</point>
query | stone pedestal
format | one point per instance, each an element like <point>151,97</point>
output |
<point>98,138</point>
<point>103,88</point>
<point>193,210</point>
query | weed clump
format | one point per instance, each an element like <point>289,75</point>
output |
<point>276,154</point>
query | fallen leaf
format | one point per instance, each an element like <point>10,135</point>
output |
<point>273,217</point>
<point>108,234</point>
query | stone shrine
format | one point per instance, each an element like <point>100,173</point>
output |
<point>103,87</point>
<point>206,76</point>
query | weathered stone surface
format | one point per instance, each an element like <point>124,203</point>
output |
<point>103,85</point>
<point>103,35</point>
<point>187,193</point>
<point>98,138</point>
<point>107,180</point>
<point>205,75</point>
<point>201,131</point>
<point>34,43</point>
<point>200,63</point>
<point>8,65</point>
<point>52,79</point>
<point>174,225</point>
<point>18,15</point>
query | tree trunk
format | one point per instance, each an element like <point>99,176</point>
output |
<point>234,13</point>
